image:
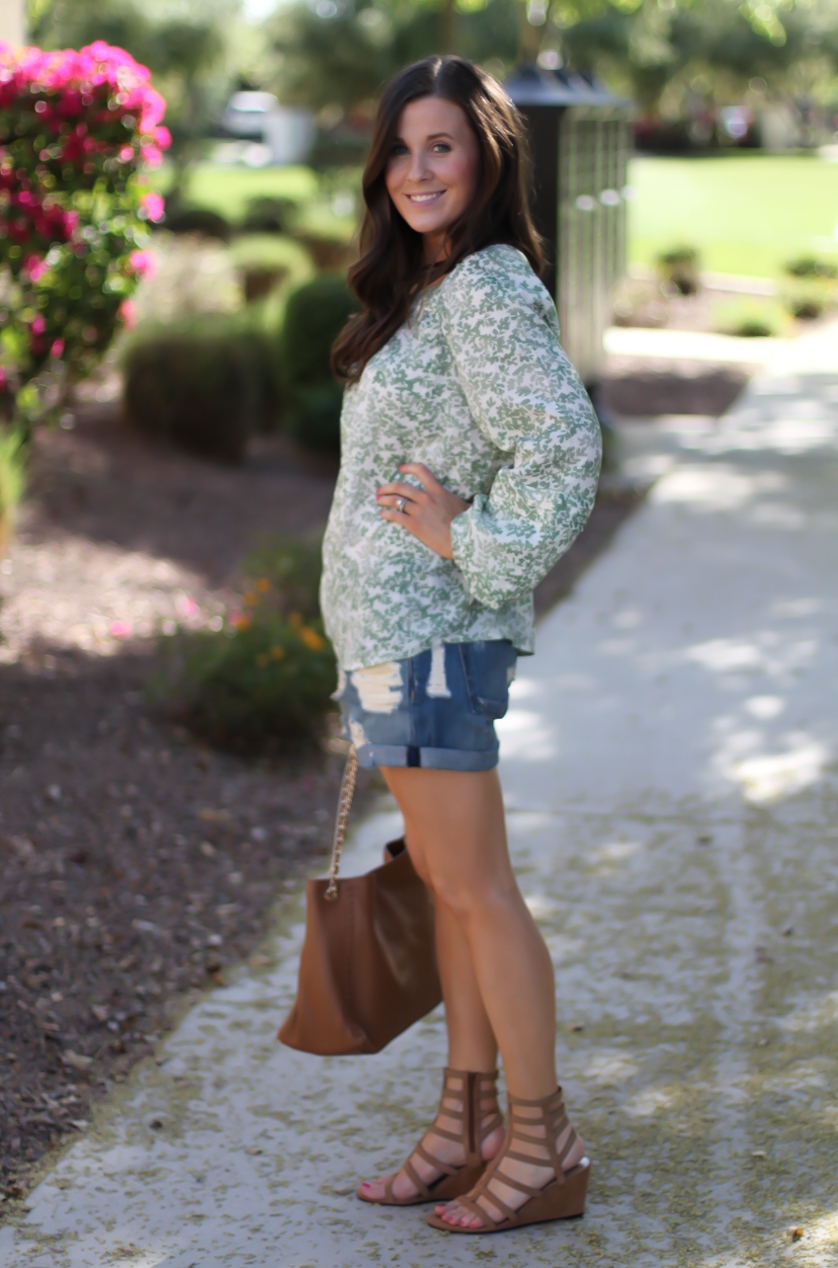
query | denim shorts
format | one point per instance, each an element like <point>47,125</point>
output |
<point>435,710</point>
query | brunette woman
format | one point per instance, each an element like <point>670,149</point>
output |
<point>470,458</point>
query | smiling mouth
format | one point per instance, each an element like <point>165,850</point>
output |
<point>425,198</point>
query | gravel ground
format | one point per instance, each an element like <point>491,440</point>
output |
<point>136,864</point>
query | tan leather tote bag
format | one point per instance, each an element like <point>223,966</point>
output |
<point>368,966</point>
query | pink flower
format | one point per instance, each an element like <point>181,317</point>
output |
<point>35,266</point>
<point>57,349</point>
<point>128,313</point>
<point>143,262</point>
<point>38,325</point>
<point>120,629</point>
<point>154,206</point>
<point>150,154</point>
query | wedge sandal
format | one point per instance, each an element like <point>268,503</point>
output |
<point>478,1115</point>
<point>561,1198</point>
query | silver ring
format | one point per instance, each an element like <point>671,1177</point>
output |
<point>401,503</point>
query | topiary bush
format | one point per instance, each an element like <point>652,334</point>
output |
<point>267,677</point>
<point>199,220</point>
<point>315,314</point>
<point>197,388</point>
<point>76,128</point>
<point>751,318</point>
<point>806,306</point>
<point>810,266</point>
<point>680,268</point>
<point>269,215</point>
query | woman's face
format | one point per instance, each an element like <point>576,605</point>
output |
<point>432,171</point>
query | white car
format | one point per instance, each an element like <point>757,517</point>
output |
<point>246,114</point>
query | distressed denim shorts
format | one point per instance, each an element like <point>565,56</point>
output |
<point>435,710</point>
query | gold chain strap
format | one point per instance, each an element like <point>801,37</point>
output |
<point>347,788</point>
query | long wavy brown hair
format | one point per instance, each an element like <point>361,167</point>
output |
<point>392,268</point>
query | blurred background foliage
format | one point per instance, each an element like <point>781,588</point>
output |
<point>334,55</point>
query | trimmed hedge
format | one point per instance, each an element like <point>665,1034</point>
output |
<point>206,388</point>
<point>315,314</point>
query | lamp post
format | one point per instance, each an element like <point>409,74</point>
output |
<point>578,136</point>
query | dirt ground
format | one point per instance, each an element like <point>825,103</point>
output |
<point>136,864</point>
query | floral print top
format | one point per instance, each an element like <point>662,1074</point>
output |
<point>476,386</point>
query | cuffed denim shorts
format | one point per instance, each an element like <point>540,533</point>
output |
<point>435,710</point>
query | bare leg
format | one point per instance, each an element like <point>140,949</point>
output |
<point>457,839</point>
<point>471,1041</point>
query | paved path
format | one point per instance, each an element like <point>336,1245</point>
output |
<point>703,345</point>
<point>670,767</point>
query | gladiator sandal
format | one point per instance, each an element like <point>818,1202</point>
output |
<point>561,1198</point>
<point>478,1115</point>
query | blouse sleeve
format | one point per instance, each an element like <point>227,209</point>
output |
<point>526,397</point>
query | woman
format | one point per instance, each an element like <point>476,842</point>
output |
<point>470,458</point>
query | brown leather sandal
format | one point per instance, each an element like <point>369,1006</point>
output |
<point>478,1115</point>
<point>561,1198</point>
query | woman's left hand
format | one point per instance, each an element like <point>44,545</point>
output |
<point>425,512</point>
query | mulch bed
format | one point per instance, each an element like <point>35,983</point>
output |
<point>646,388</point>
<point>136,865</point>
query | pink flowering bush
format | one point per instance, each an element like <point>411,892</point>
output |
<point>76,128</point>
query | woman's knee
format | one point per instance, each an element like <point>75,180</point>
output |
<point>474,897</point>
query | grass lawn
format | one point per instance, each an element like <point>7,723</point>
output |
<point>747,213</point>
<point>228,189</point>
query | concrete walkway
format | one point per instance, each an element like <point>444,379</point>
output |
<point>670,767</point>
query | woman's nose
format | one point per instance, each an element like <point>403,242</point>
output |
<point>418,169</point>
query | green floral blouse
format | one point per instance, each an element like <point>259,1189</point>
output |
<point>475,386</point>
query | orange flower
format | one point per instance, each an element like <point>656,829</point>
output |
<point>311,639</point>
<point>242,622</point>
<point>250,598</point>
<point>278,653</point>
<point>263,585</point>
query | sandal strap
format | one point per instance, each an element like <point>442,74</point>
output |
<point>445,1167</point>
<point>475,1209</point>
<point>415,1180</point>
<point>530,1190</point>
<point>488,1125</point>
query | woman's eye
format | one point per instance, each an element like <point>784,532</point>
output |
<point>442,147</point>
<point>398,150</point>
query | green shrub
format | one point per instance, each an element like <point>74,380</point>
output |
<point>200,220</point>
<point>267,678</point>
<point>751,318</point>
<point>806,307</point>
<point>12,478</point>
<point>197,388</point>
<point>269,215</point>
<point>314,315</point>
<point>283,574</point>
<point>811,266</point>
<point>680,268</point>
